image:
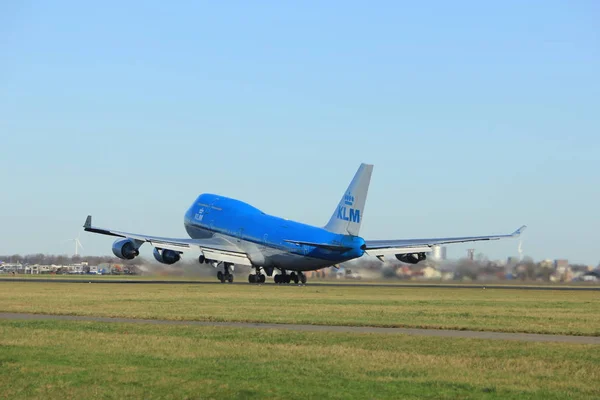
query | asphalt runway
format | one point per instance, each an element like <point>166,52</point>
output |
<point>316,283</point>
<point>525,337</point>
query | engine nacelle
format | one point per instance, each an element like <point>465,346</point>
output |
<point>412,258</point>
<point>166,256</point>
<point>125,249</point>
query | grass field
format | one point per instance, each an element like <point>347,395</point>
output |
<point>210,276</point>
<point>573,312</point>
<point>75,360</point>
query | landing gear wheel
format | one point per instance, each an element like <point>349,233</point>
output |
<point>303,278</point>
<point>202,259</point>
<point>257,277</point>
<point>294,277</point>
<point>226,274</point>
<point>277,278</point>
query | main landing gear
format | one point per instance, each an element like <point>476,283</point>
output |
<point>294,277</point>
<point>258,277</point>
<point>226,275</point>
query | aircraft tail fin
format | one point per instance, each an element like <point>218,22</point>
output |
<point>347,217</point>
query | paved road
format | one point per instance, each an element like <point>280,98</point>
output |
<point>527,337</point>
<point>387,285</point>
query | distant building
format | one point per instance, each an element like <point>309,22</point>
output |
<point>561,265</point>
<point>512,261</point>
<point>562,271</point>
<point>591,276</point>
<point>470,254</point>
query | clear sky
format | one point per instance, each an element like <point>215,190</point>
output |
<point>478,116</point>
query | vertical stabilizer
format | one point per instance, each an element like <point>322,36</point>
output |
<point>348,215</point>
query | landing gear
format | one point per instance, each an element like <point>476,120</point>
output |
<point>258,277</point>
<point>302,278</point>
<point>296,277</point>
<point>282,278</point>
<point>226,275</point>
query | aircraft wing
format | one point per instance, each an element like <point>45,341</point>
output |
<point>381,248</point>
<point>214,248</point>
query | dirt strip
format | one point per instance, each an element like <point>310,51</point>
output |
<point>527,337</point>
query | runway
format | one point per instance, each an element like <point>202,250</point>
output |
<point>316,284</point>
<point>525,337</point>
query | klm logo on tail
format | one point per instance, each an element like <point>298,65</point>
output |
<point>353,214</point>
<point>348,213</point>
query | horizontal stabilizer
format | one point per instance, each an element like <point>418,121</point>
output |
<point>326,246</point>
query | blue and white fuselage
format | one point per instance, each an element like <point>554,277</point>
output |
<point>269,241</point>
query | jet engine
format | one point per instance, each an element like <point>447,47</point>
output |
<point>166,256</point>
<point>125,249</point>
<point>411,258</point>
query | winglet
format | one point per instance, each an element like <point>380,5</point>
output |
<point>88,222</point>
<point>519,231</point>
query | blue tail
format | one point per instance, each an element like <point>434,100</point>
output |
<point>348,215</point>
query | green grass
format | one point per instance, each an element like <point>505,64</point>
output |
<point>34,277</point>
<point>210,276</point>
<point>559,312</point>
<point>75,360</point>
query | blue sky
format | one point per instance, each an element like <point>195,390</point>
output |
<point>478,117</point>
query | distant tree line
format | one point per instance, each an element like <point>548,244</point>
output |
<point>482,268</point>
<point>50,259</point>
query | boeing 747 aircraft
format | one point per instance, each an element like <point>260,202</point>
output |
<point>229,232</point>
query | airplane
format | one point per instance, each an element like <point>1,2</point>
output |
<point>230,232</point>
